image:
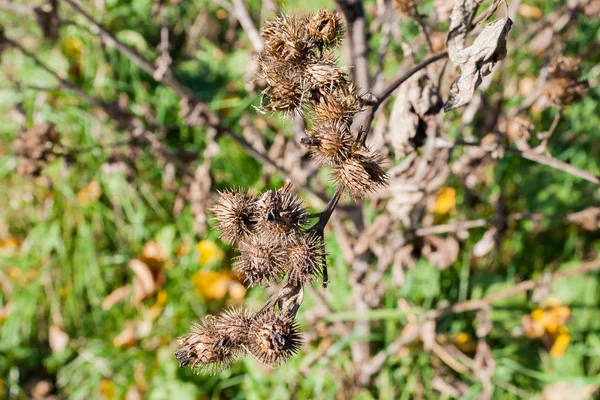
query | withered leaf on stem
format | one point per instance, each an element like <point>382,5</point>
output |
<point>415,107</point>
<point>477,60</point>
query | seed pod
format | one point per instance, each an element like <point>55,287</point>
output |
<point>361,174</point>
<point>284,95</point>
<point>341,103</point>
<point>209,348</point>
<point>285,39</point>
<point>236,214</point>
<point>562,92</point>
<point>261,260</point>
<point>280,213</point>
<point>306,258</point>
<point>235,323</point>
<point>324,75</point>
<point>273,338</point>
<point>565,67</point>
<point>325,29</point>
<point>330,141</point>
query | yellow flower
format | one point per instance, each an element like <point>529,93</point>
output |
<point>209,252</point>
<point>549,324</point>
<point>561,341</point>
<point>446,201</point>
<point>465,342</point>
<point>212,285</point>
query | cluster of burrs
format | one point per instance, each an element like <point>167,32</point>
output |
<point>303,77</point>
<point>268,230</point>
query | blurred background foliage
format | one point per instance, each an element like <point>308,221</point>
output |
<point>99,276</point>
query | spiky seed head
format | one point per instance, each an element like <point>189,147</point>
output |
<point>306,258</point>
<point>330,141</point>
<point>324,77</point>
<point>209,348</point>
<point>362,173</point>
<point>283,94</point>
<point>325,29</point>
<point>236,214</point>
<point>280,212</point>
<point>261,260</point>
<point>235,323</point>
<point>335,106</point>
<point>273,338</point>
<point>565,67</point>
<point>285,39</point>
<point>561,92</point>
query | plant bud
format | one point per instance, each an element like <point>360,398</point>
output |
<point>361,174</point>
<point>325,29</point>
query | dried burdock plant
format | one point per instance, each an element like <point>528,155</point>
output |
<point>273,337</point>
<point>261,260</point>
<point>269,230</point>
<point>236,214</point>
<point>564,86</point>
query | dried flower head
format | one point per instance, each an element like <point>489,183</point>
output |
<point>35,148</point>
<point>330,141</point>
<point>273,338</point>
<point>209,348</point>
<point>361,174</point>
<point>261,260</point>
<point>236,214</point>
<point>565,67</point>
<point>564,86</point>
<point>339,103</point>
<point>285,39</point>
<point>283,94</point>
<point>562,92</point>
<point>324,75</point>
<point>306,258</point>
<point>325,29</point>
<point>281,212</point>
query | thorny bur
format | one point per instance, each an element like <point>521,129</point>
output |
<point>269,230</point>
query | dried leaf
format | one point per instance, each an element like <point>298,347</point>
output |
<point>567,390</point>
<point>441,252</point>
<point>89,194</point>
<point>588,219</point>
<point>143,283</point>
<point>127,336</point>
<point>116,296</point>
<point>413,114</point>
<point>477,60</point>
<point>486,243</point>
<point>57,339</point>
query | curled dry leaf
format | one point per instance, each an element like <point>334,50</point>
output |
<point>486,243</point>
<point>441,252</point>
<point>143,283</point>
<point>57,338</point>
<point>116,296</point>
<point>477,60</point>
<point>413,115</point>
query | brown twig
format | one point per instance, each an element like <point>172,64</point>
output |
<point>241,13</point>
